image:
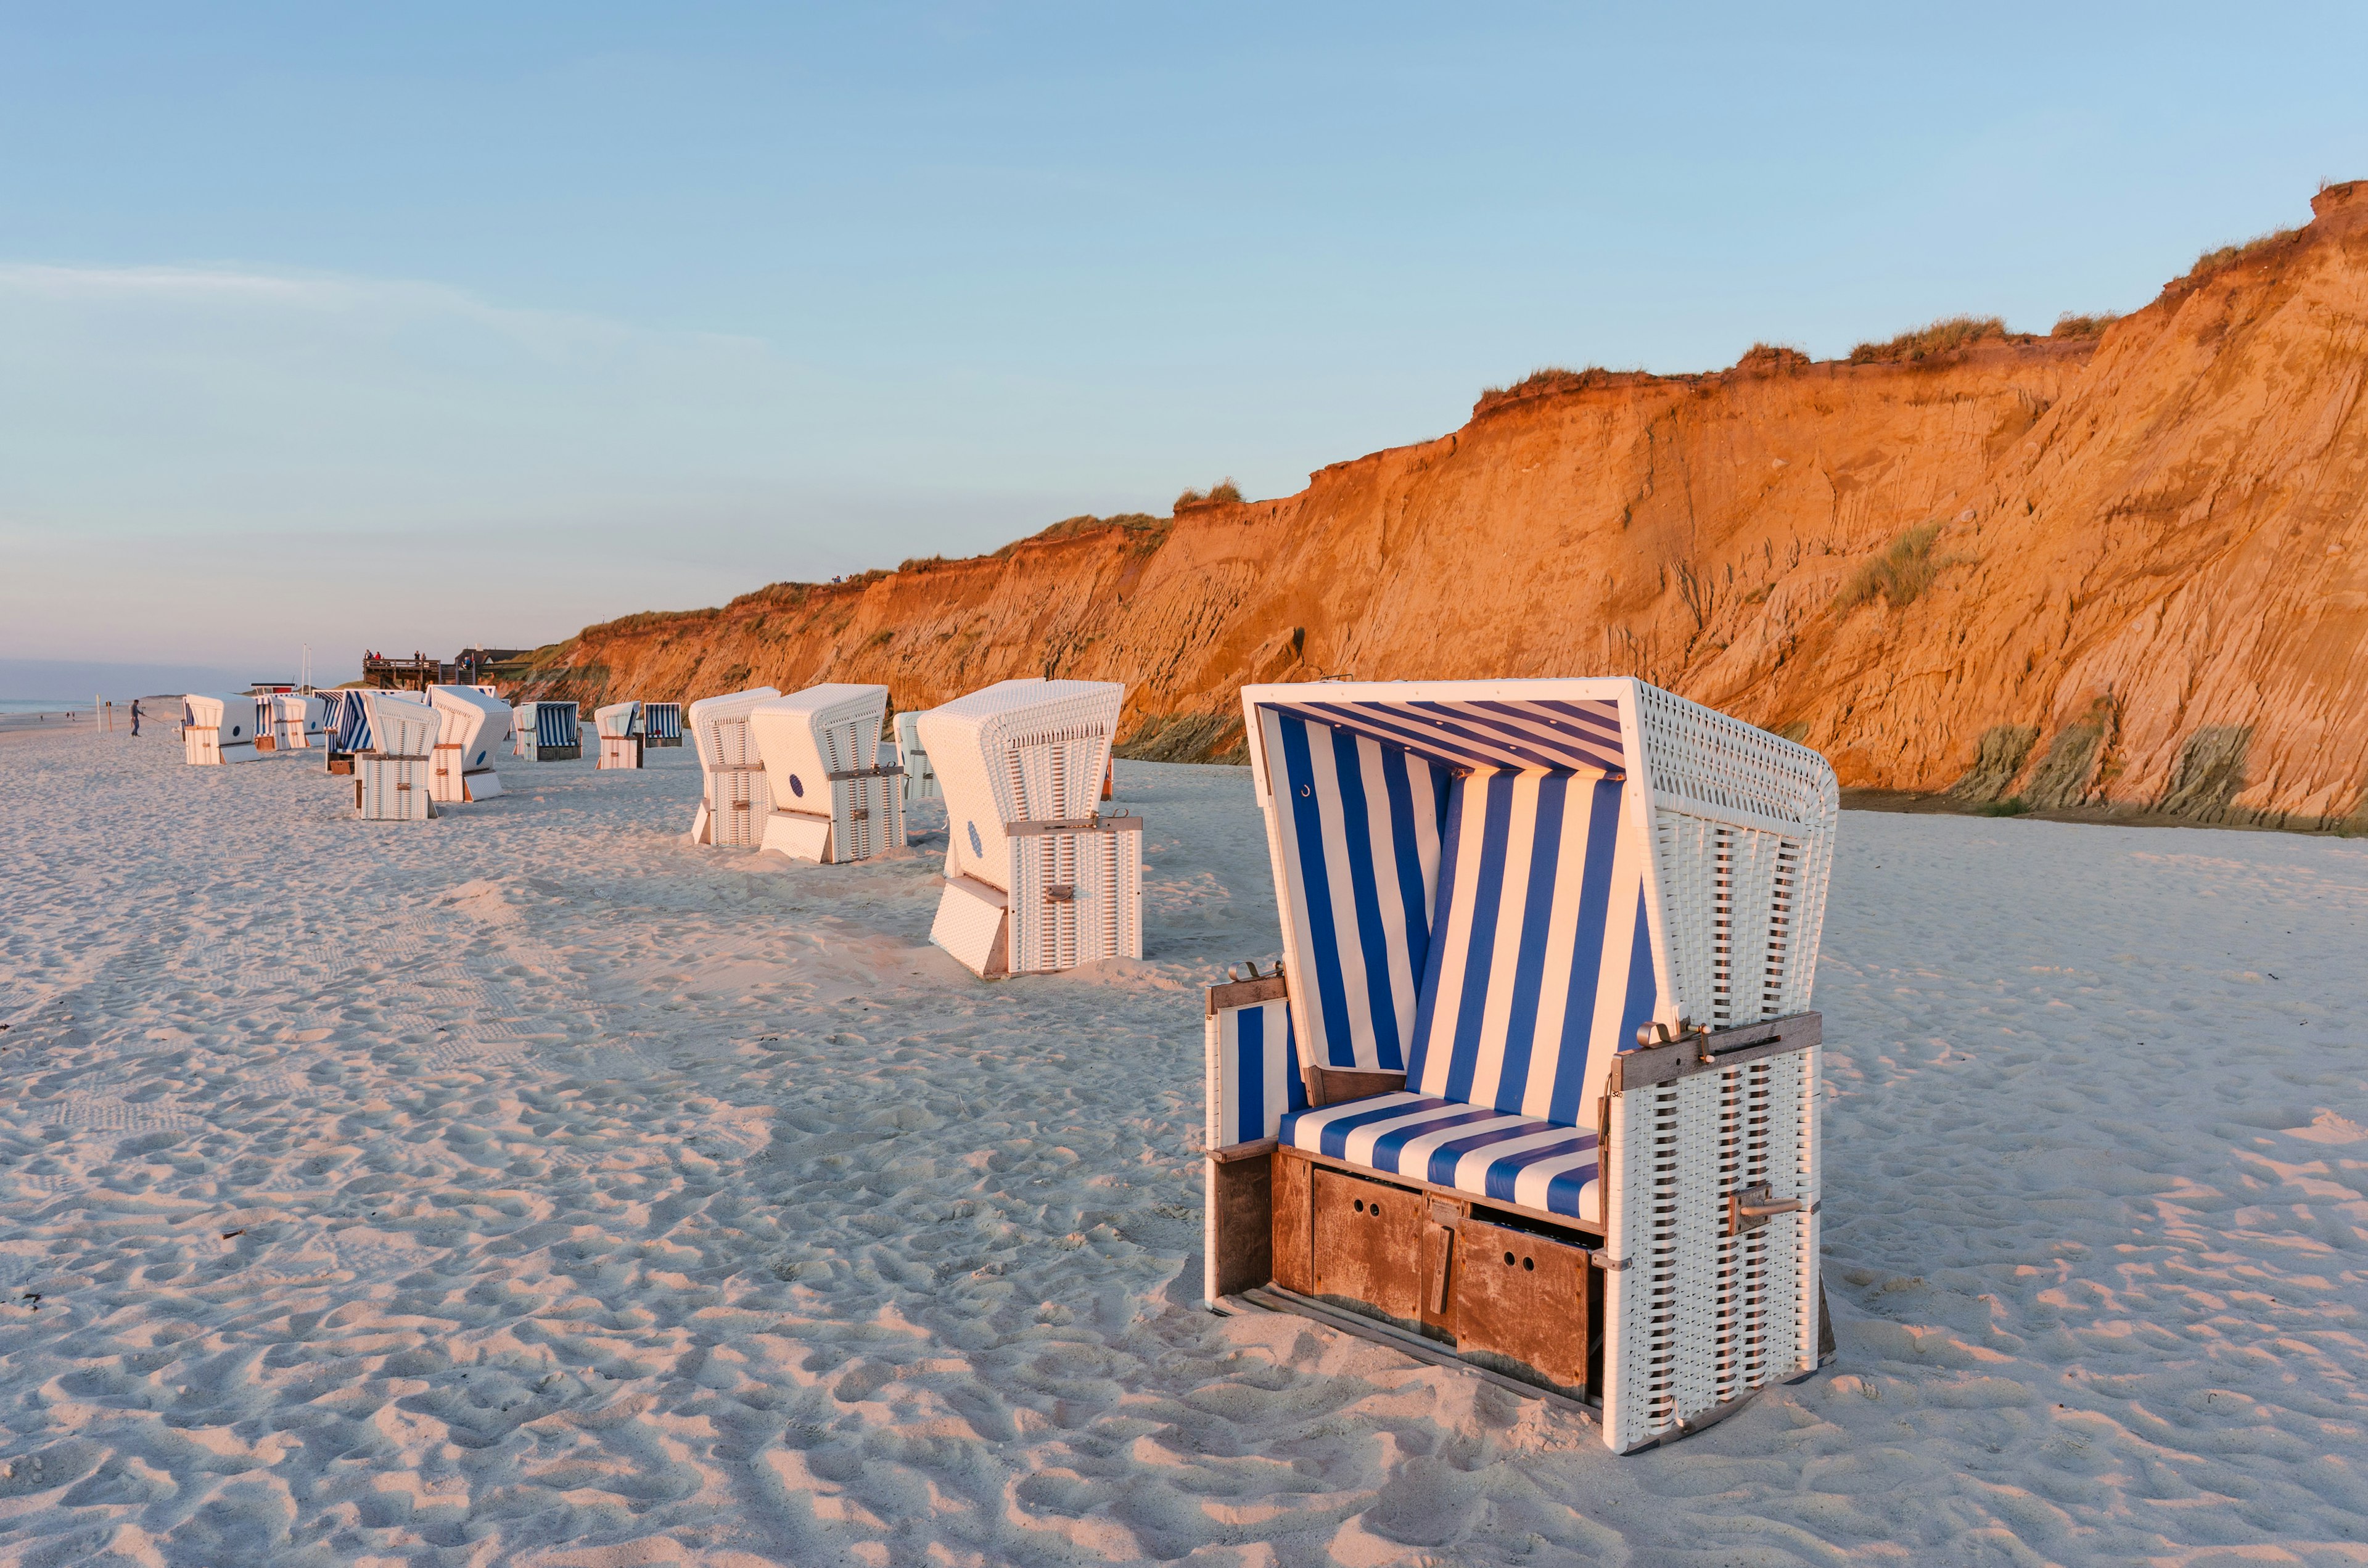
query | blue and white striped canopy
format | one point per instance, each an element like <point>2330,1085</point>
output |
<point>1464,892</point>
<point>661,720</point>
<point>555,724</point>
<point>1482,731</point>
<point>349,722</point>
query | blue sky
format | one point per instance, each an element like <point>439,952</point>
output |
<point>411,326</point>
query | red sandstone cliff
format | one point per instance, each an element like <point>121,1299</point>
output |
<point>2127,572</point>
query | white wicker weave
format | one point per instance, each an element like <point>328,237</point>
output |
<point>831,801</point>
<point>390,780</point>
<point>295,720</point>
<point>733,799</point>
<point>218,727</point>
<point>474,728</point>
<point>921,777</point>
<point>618,728</point>
<point>1022,764</point>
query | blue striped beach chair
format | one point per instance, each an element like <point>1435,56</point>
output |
<point>548,731</point>
<point>1535,1085</point>
<point>345,726</point>
<point>662,724</point>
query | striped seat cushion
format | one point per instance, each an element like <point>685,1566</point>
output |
<point>1488,1153</point>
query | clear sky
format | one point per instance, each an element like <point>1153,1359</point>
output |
<point>415,325</point>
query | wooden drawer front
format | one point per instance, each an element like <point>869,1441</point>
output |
<point>1523,1297</point>
<point>1294,1269</point>
<point>1368,1244</point>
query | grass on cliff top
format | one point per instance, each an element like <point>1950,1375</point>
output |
<point>1221,494</point>
<point>1146,528</point>
<point>2258,248</point>
<point>1545,379</point>
<point>2068,324</point>
<point>1944,337</point>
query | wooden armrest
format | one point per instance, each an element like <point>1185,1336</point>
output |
<point>1330,1085</point>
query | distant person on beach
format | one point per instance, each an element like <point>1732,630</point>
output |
<point>135,717</point>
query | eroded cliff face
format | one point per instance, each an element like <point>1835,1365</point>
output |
<point>2129,572</point>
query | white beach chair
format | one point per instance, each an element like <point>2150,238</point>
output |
<point>298,720</point>
<point>733,801</point>
<point>390,778</point>
<point>662,724</point>
<point>475,726</point>
<point>832,800</point>
<point>219,727</point>
<point>920,779</point>
<point>619,726</point>
<point>1544,1020</point>
<point>547,732</point>
<point>1036,878</point>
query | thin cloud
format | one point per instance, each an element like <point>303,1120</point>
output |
<point>213,288</point>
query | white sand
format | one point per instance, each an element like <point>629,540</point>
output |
<point>607,1201</point>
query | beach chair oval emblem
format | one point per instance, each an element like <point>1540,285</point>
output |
<point>797,787</point>
<point>977,845</point>
<point>236,731</point>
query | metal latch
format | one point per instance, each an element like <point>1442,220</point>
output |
<point>1748,1207</point>
<point>1061,893</point>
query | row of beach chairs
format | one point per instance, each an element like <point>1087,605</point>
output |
<point>1037,878</point>
<point>1533,1087</point>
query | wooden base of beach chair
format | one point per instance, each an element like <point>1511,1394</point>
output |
<point>1516,1293</point>
<point>341,762</point>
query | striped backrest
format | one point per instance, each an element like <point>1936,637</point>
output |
<point>1253,1072</point>
<point>661,720</point>
<point>1357,823</point>
<point>349,721</point>
<point>1541,963</point>
<point>555,724</point>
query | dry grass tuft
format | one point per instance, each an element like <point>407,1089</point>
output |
<point>1225,493</point>
<point>1946,336</point>
<point>2068,324</point>
<point>1538,382</point>
<point>1900,575</point>
<point>2255,249</point>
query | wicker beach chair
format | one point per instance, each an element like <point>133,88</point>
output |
<point>920,779</point>
<point>1536,1082</point>
<point>1036,878</point>
<point>619,726</point>
<point>476,724</point>
<point>547,732</point>
<point>220,727</point>
<point>832,800</point>
<point>734,802</point>
<point>392,781</point>
<point>662,724</point>
<point>296,720</point>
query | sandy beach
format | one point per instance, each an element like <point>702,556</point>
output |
<point>532,1187</point>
